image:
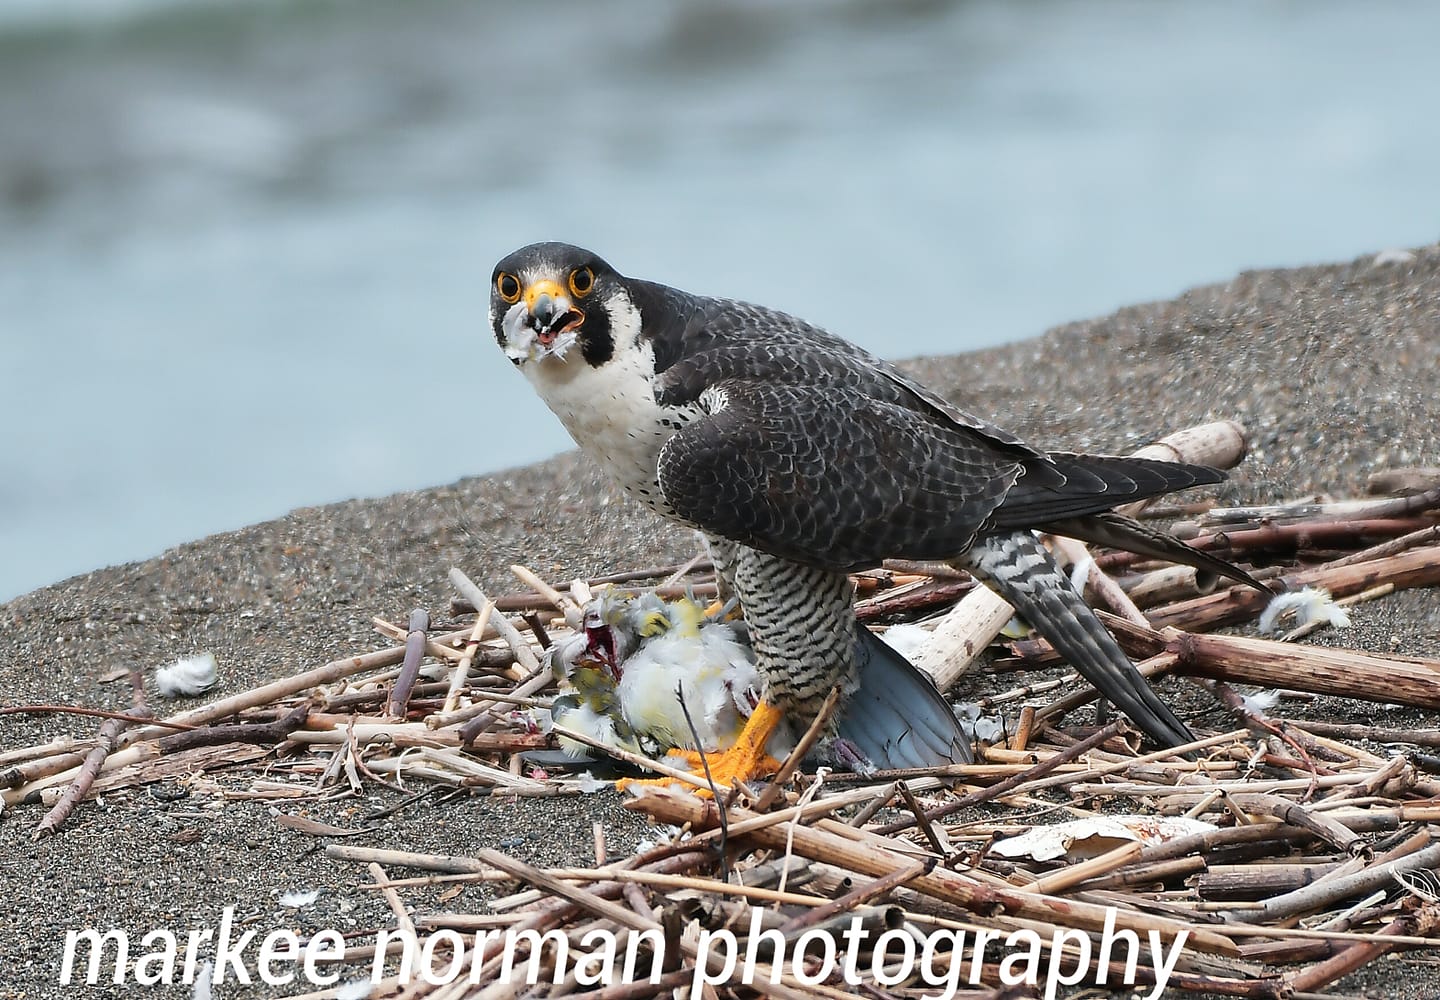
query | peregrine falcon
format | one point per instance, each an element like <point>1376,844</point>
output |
<point>802,457</point>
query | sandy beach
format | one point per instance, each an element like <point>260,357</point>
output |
<point>1334,370</point>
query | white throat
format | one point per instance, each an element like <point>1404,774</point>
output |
<point>610,410</point>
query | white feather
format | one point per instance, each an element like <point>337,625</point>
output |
<point>1260,702</point>
<point>187,677</point>
<point>1080,573</point>
<point>1309,604</point>
<point>297,899</point>
<point>204,977</point>
<point>907,639</point>
<point>584,718</point>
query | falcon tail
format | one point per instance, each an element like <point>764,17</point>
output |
<point>897,717</point>
<point>1022,571</point>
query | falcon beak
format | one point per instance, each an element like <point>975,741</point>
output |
<point>551,311</point>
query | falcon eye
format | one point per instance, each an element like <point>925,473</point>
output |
<point>582,279</point>
<point>508,286</point>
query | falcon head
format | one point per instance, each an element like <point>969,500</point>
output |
<point>549,300</point>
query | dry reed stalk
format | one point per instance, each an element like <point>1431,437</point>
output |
<point>461,675</point>
<point>364,731</point>
<point>639,760</point>
<point>1074,874</point>
<point>856,897</point>
<point>947,886</point>
<point>676,883</point>
<point>524,655</point>
<point>559,601</point>
<point>1140,874</point>
<point>1149,668</point>
<point>1417,567</point>
<point>1026,776</point>
<point>1330,891</point>
<point>1182,793</point>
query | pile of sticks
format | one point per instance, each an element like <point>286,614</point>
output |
<point>1313,856</point>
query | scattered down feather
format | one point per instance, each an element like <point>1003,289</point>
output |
<point>187,677</point>
<point>1309,604</point>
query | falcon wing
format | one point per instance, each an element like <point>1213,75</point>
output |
<point>829,475</point>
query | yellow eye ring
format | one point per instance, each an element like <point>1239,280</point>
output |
<point>582,281</point>
<point>508,286</point>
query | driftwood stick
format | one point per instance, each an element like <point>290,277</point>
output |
<point>34,770</point>
<point>940,593</point>
<point>106,741</point>
<point>1310,668</point>
<point>1418,567</point>
<point>283,688</point>
<point>1166,585</point>
<point>962,636</point>
<point>1220,444</point>
<point>1346,510</point>
<point>1258,881</point>
<point>1421,923</point>
<point>534,601</point>
<point>1415,539</point>
<point>390,630</point>
<point>1322,827</point>
<point>1412,479</point>
<point>1378,734</point>
<point>410,666</point>
<point>557,599</point>
<point>264,734</point>
<point>482,714</point>
<point>1306,535</point>
<point>41,751</point>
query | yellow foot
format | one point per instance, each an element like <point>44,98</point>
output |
<point>745,760</point>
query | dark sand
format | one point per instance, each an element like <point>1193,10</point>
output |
<point>1332,369</point>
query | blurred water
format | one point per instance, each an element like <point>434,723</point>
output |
<point>244,248</point>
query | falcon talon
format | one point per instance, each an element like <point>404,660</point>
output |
<point>802,457</point>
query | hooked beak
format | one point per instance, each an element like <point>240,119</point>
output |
<point>551,311</point>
